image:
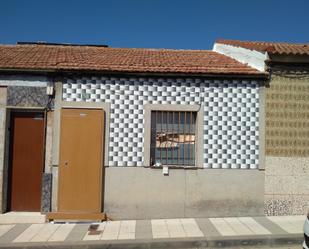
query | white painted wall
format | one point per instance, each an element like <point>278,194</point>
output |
<point>23,80</point>
<point>253,58</point>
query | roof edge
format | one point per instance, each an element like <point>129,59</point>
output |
<point>59,44</point>
<point>271,47</point>
<point>261,75</point>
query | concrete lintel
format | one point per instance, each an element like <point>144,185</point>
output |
<point>24,80</point>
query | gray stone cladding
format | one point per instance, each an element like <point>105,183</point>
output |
<point>46,192</point>
<point>25,96</point>
<point>231,114</point>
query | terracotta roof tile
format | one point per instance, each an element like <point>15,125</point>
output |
<point>104,59</point>
<point>279,48</point>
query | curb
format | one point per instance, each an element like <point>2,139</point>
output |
<point>213,242</point>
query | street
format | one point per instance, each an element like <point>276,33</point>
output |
<point>266,247</point>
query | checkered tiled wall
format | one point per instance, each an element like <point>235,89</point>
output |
<point>231,115</point>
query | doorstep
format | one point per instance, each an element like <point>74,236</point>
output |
<point>75,216</point>
<point>22,218</point>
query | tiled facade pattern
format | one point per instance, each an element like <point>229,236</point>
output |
<point>231,114</point>
<point>287,116</point>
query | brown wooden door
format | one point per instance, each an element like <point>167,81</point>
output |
<point>81,157</point>
<point>26,161</point>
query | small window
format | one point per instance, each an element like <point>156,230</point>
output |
<point>173,138</point>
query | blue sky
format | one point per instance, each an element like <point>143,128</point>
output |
<point>179,24</point>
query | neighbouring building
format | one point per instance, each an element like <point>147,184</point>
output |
<point>286,119</point>
<point>133,133</point>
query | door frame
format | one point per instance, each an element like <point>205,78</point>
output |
<point>7,171</point>
<point>59,105</point>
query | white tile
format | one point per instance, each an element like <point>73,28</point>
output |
<point>126,236</point>
<point>159,229</point>
<point>62,232</point>
<point>175,228</point>
<point>238,227</point>
<point>128,226</point>
<point>111,230</point>
<point>45,233</point>
<point>89,236</point>
<point>127,230</point>
<point>5,228</point>
<point>167,94</point>
<point>29,233</point>
<point>109,237</point>
<point>223,227</point>
<point>255,227</point>
<point>191,228</point>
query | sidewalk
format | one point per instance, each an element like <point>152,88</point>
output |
<point>159,233</point>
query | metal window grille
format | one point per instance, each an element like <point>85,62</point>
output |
<point>173,138</point>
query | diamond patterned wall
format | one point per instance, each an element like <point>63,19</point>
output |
<point>231,115</point>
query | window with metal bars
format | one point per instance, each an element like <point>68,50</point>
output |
<point>173,138</point>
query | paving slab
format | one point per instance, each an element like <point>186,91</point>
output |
<point>13,233</point>
<point>254,226</point>
<point>143,229</point>
<point>29,233</point>
<point>97,234</point>
<point>127,229</point>
<point>45,233</point>
<point>238,226</point>
<point>159,229</point>
<point>207,228</point>
<point>223,227</point>
<point>157,233</point>
<point>288,223</point>
<point>180,243</point>
<point>78,232</point>
<point>270,226</point>
<point>5,228</point>
<point>111,230</point>
<point>191,228</point>
<point>62,233</point>
<point>175,228</point>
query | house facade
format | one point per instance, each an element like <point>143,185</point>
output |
<point>286,120</point>
<point>131,133</point>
